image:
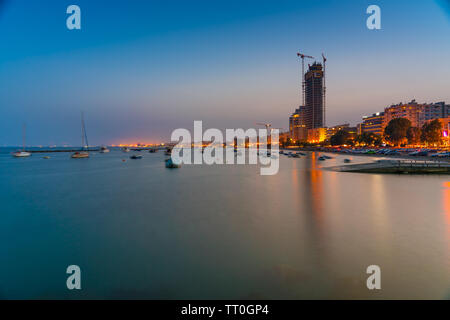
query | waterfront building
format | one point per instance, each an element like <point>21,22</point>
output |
<point>317,135</point>
<point>438,110</point>
<point>408,110</point>
<point>332,130</point>
<point>297,125</point>
<point>311,115</point>
<point>353,131</point>
<point>374,123</point>
<point>314,109</point>
<point>417,113</point>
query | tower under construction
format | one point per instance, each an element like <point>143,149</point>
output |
<point>314,94</point>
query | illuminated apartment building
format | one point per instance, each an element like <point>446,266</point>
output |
<point>374,123</point>
<point>409,111</point>
<point>432,111</point>
<point>297,126</point>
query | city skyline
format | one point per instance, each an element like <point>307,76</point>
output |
<point>228,65</point>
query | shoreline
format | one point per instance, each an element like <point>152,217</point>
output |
<point>396,156</point>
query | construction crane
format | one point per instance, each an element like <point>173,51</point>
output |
<point>324,87</point>
<point>303,56</point>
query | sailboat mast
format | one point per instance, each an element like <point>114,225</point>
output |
<point>82,131</point>
<point>85,135</point>
<point>84,139</point>
<point>23,136</point>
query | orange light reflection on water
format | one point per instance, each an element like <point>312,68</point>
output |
<point>446,206</point>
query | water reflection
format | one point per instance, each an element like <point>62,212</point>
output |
<point>312,207</point>
<point>446,206</point>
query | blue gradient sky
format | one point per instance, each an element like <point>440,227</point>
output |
<point>140,69</point>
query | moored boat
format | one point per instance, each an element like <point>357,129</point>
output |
<point>136,156</point>
<point>80,155</point>
<point>84,143</point>
<point>23,153</point>
<point>104,149</point>
<point>171,165</point>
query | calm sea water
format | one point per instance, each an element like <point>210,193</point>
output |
<point>139,230</point>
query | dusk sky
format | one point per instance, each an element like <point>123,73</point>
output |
<point>140,69</point>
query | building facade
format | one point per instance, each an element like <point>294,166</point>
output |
<point>374,123</point>
<point>353,131</point>
<point>317,135</point>
<point>438,110</point>
<point>409,111</point>
<point>314,110</point>
<point>417,113</point>
<point>297,126</point>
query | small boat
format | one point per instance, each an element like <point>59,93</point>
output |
<point>294,155</point>
<point>153,150</point>
<point>327,157</point>
<point>80,155</point>
<point>125,149</point>
<point>171,165</point>
<point>104,149</point>
<point>136,156</point>
<point>301,154</point>
<point>168,152</point>
<point>322,158</point>
<point>84,142</point>
<point>347,160</point>
<point>23,153</point>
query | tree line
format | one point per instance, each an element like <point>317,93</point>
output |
<point>398,131</point>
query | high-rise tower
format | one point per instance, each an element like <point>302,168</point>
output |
<point>314,109</point>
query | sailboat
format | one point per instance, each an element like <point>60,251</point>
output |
<point>83,153</point>
<point>23,153</point>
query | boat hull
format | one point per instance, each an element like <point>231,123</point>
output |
<point>80,155</point>
<point>21,154</point>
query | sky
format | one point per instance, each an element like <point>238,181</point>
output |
<point>140,69</point>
